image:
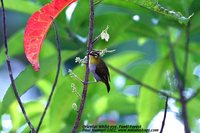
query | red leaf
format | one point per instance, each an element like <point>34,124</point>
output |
<point>37,27</point>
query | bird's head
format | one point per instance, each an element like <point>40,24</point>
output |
<point>94,56</point>
<point>94,53</point>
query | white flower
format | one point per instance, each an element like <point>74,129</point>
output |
<point>104,51</point>
<point>105,36</point>
<point>75,107</point>
<point>77,60</point>
<point>73,87</point>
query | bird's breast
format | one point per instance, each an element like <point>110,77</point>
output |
<point>93,60</point>
<point>92,68</point>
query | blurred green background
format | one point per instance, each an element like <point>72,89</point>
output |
<point>140,38</point>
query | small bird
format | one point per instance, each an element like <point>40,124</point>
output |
<point>99,69</point>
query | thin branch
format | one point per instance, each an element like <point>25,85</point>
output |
<point>99,36</point>
<point>90,46</point>
<point>181,88</point>
<point>55,81</point>
<point>186,52</point>
<point>96,39</point>
<point>141,83</point>
<point>173,58</point>
<point>165,115</point>
<point>10,68</point>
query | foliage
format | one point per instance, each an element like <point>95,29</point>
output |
<point>139,34</point>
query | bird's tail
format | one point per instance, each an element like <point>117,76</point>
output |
<point>108,87</point>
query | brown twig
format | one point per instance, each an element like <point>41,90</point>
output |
<point>181,88</point>
<point>96,39</point>
<point>10,68</point>
<point>165,115</point>
<point>85,86</point>
<point>186,52</point>
<point>55,81</point>
<point>141,83</point>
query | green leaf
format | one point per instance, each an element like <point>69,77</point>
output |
<point>65,97</point>
<point>79,20</point>
<point>1,113</point>
<point>149,102</point>
<point>194,6</point>
<point>128,57</point>
<point>16,116</point>
<point>123,104</point>
<point>193,111</point>
<point>47,65</point>
<point>21,6</point>
<point>33,109</point>
<point>153,5</point>
<point>15,46</point>
<point>195,26</point>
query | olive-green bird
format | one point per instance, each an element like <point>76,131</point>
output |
<point>99,69</point>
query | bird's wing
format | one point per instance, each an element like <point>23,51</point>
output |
<point>102,71</point>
